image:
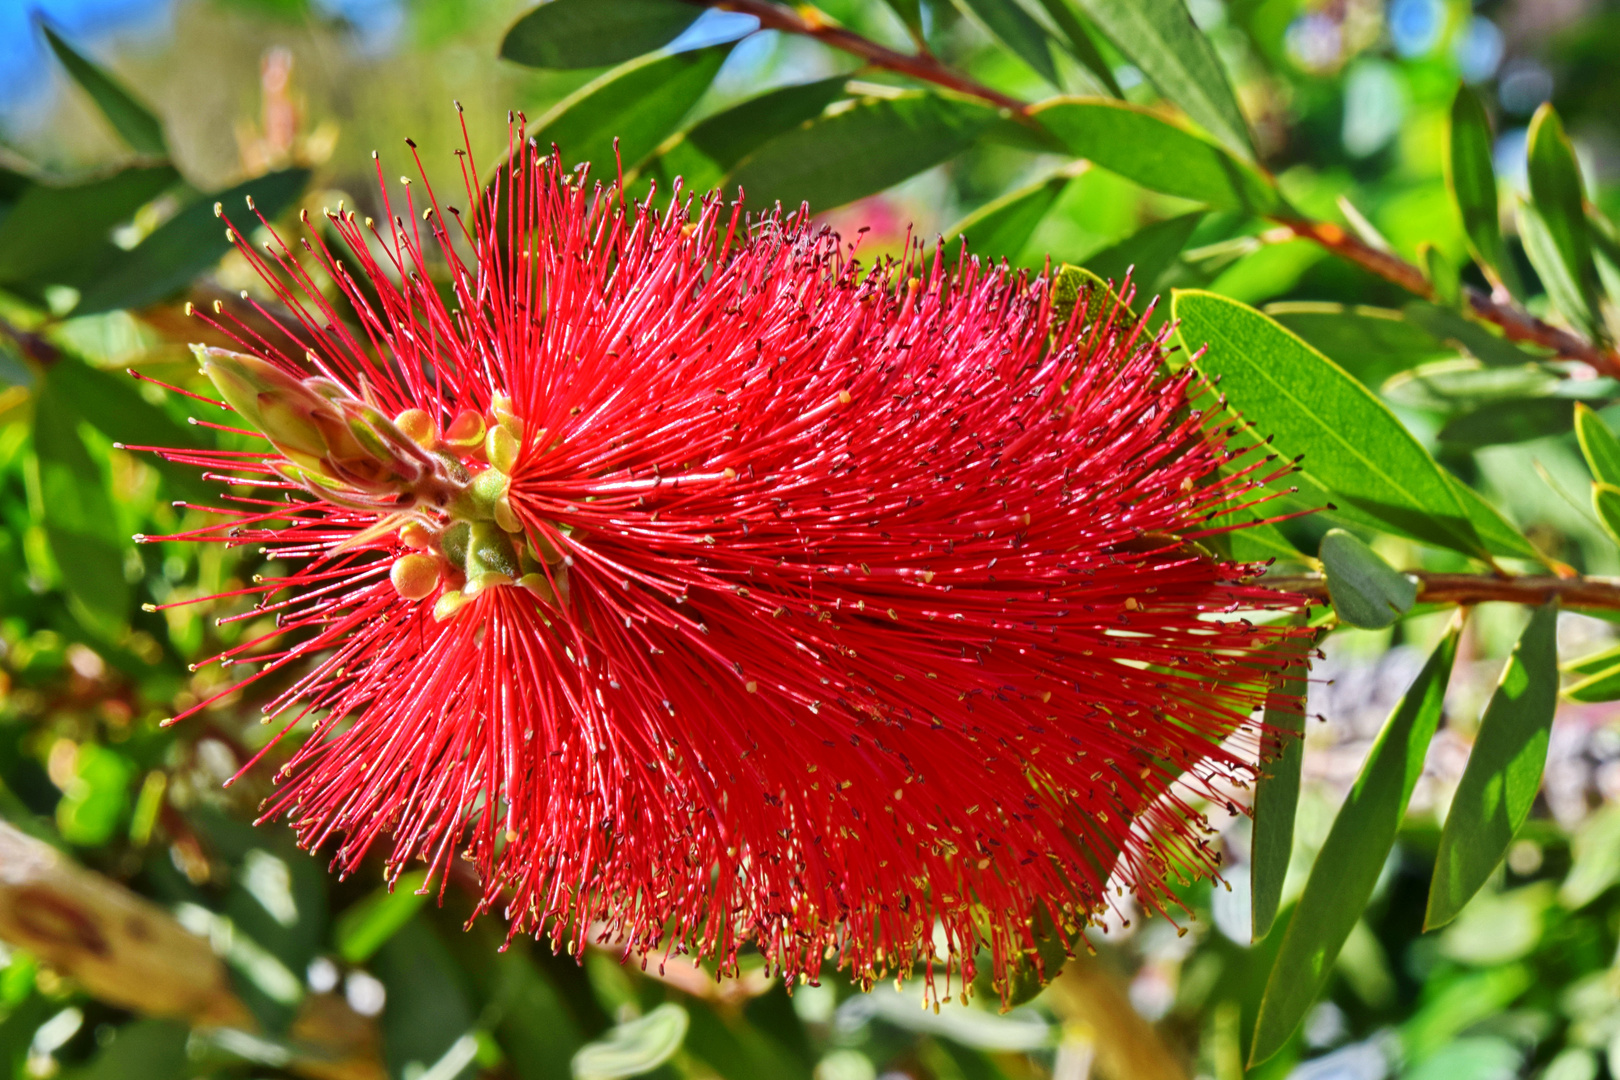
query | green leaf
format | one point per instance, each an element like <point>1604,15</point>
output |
<point>910,13</point>
<point>1276,792</point>
<point>1501,422</point>
<point>1013,27</point>
<point>1504,770</point>
<point>1081,45</point>
<point>1161,39</point>
<point>1366,591</point>
<point>1603,685</point>
<point>1001,227</point>
<point>1499,535</point>
<point>141,1050</point>
<point>1353,855</point>
<point>1606,503</point>
<point>1554,223</point>
<point>1598,445</point>
<point>591,33</point>
<point>363,928</point>
<point>876,142</point>
<point>97,798</point>
<point>79,518</point>
<point>1353,445</point>
<point>1471,178</point>
<point>1592,663</point>
<point>1142,146</point>
<point>426,1026</point>
<point>188,244</point>
<point>713,146</point>
<point>133,121</point>
<point>1456,384</point>
<point>639,104</point>
<point>1151,251</point>
<point>635,1046</point>
<point>51,232</point>
<point>1371,343</point>
<point>1448,326</point>
<point>1595,858</point>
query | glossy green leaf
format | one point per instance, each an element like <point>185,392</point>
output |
<point>1161,39</point>
<point>51,231</point>
<point>1366,591</point>
<point>133,121</point>
<point>79,518</point>
<point>1606,256</point>
<point>1499,535</point>
<point>1448,326</point>
<point>1011,25</point>
<point>1598,445</point>
<point>876,142</point>
<point>1371,343</point>
<point>1000,228</point>
<point>910,13</point>
<point>1471,178</point>
<point>1142,146</point>
<point>1444,277</point>
<point>1606,504</point>
<point>639,104</point>
<point>593,33</point>
<point>714,145</point>
<point>1592,663</point>
<point>1148,253</point>
<point>1504,770</point>
<point>141,1050</point>
<point>1276,791</point>
<point>188,244</point>
<point>1353,445</point>
<point>1502,422</point>
<point>1351,858</point>
<point>1081,44</point>
<point>112,403</point>
<point>363,928</point>
<point>635,1046</point>
<point>1463,383</point>
<point>1554,223</point>
<point>96,800</point>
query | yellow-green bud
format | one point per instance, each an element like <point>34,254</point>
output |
<point>466,431</point>
<point>417,426</point>
<point>490,551</point>
<point>281,407</point>
<point>500,448</point>
<point>416,535</point>
<point>449,602</point>
<point>415,576</point>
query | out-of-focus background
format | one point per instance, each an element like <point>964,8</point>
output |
<point>311,976</point>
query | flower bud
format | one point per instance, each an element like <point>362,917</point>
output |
<point>417,426</point>
<point>415,576</point>
<point>268,398</point>
<point>500,448</point>
<point>466,431</point>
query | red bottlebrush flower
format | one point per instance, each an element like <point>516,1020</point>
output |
<point>707,590</point>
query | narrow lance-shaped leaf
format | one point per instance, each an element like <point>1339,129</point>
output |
<point>1276,792</point>
<point>860,150</point>
<point>1161,39</point>
<point>715,144</point>
<point>1471,178</point>
<point>593,33</point>
<point>52,231</point>
<point>1606,504</point>
<point>1504,770</point>
<point>639,104</point>
<point>1147,254</point>
<point>133,121</point>
<point>1000,228</point>
<point>1353,445</point>
<point>1141,146</point>
<point>1598,444</point>
<point>365,927</point>
<point>1555,232</point>
<point>1014,28</point>
<point>1081,45</point>
<point>910,13</point>
<point>188,244</point>
<point>633,1047</point>
<point>1366,591</point>
<point>1353,855</point>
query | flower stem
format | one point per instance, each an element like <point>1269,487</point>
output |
<point>1573,592</point>
<point>1514,321</point>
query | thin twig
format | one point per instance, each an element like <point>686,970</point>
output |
<point>1573,592</point>
<point>1516,323</point>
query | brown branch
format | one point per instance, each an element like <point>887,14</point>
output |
<point>922,66</point>
<point>1516,323</point>
<point>1572,592</point>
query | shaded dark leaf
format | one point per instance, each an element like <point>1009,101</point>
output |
<point>593,33</point>
<point>134,122</point>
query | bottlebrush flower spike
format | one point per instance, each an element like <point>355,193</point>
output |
<point>706,590</point>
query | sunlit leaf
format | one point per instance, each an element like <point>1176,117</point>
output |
<point>633,1047</point>
<point>1144,147</point>
<point>1081,45</point>
<point>1553,223</point>
<point>1352,444</point>
<point>1351,858</point>
<point>1001,227</point>
<point>1147,253</point>
<point>52,231</point>
<point>1370,343</point>
<point>1595,858</point>
<point>1501,422</point>
<point>1022,35</point>
<point>1503,775</point>
<point>1447,326</point>
<point>593,33</point>
<point>715,144</point>
<point>1161,39</point>
<point>1471,178</point>
<point>1606,504</point>
<point>363,928</point>
<point>1598,445</point>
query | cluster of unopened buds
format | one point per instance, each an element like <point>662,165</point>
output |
<point>444,491</point>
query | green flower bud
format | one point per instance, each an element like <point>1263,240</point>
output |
<point>269,399</point>
<point>490,551</point>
